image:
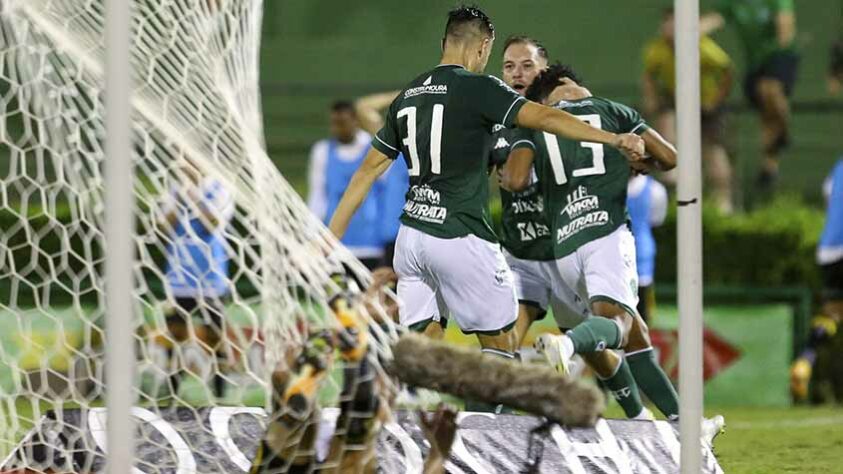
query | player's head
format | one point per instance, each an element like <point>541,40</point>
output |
<point>557,82</point>
<point>344,123</point>
<point>667,28</point>
<point>523,59</point>
<point>469,34</point>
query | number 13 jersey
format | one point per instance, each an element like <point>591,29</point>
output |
<point>443,122</point>
<point>584,184</point>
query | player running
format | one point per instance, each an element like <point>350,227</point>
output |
<point>447,257</point>
<point>528,245</point>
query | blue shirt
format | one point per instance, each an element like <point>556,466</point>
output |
<point>647,205</point>
<point>830,249</point>
<point>363,235</point>
<point>197,261</point>
<point>395,187</point>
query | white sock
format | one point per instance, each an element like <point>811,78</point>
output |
<point>567,346</point>
<point>645,414</point>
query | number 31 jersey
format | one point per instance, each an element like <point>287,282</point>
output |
<point>584,183</point>
<point>442,122</point>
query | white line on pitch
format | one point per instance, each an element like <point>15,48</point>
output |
<point>748,425</point>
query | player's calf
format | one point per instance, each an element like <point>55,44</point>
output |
<point>651,378</point>
<point>613,372</point>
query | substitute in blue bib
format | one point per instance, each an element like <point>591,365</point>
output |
<point>396,183</point>
<point>830,259</point>
<point>646,203</point>
<point>332,163</point>
<point>196,214</point>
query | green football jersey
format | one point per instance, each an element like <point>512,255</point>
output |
<point>755,21</point>
<point>525,231</point>
<point>584,184</point>
<point>443,123</point>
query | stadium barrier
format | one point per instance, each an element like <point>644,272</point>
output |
<point>74,441</point>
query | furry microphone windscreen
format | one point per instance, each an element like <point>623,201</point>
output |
<point>469,374</point>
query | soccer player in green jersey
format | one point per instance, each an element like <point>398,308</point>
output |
<point>585,187</point>
<point>525,232</point>
<point>767,29</point>
<point>447,257</point>
<point>528,246</point>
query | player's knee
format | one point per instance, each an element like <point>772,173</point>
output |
<point>604,363</point>
<point>617,313</point>
<point>639,336</point>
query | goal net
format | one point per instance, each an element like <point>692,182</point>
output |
<point>232,274</point>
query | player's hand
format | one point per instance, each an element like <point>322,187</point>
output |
<point>631,145</point>
<point>440,429</point>
<point>640,167</point>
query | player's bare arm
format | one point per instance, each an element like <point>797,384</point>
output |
<point>374,165</point>
<point>563,124</point>
<point>516,173</point>
<point>711,22</point>
<point>369,108</point>
<point>785,28</point>
<point>661,153</point>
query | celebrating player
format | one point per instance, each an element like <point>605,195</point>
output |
<point>585,194</point>
<point>528,245</point>
<point>446,255</point>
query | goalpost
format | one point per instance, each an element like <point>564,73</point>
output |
<point>119,222</point>
<point>689,229</point>
<point>90,159</point>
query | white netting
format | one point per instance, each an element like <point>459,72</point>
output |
<point>199,161</point>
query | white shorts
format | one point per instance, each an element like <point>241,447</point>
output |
<point>539,283</point>
<point>466,278</point>
<point>604,270</point>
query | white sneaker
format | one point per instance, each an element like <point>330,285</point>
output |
<point>711,428</point>
<point>645,415</point>
<point>552,347</point>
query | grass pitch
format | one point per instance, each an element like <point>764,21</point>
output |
<point>781,440</point>
<point>805,440</point>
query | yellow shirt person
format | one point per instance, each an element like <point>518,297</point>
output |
<point>659,90</point>
<point>715,68</point>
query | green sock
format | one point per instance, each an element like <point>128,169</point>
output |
<point>595,334</point>
<point>654,382</point>
<point>624,390</point>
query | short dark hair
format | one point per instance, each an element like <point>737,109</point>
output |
<point>548,80</point>
<point>523,39</point>
<point>343,106</point>
<point>463,19</point>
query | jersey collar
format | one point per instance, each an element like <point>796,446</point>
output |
<point>451,65</point>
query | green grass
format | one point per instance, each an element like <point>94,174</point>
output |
<point>781,440</point>
<point>801,440</point>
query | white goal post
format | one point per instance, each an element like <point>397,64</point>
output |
<point>204,191</point>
